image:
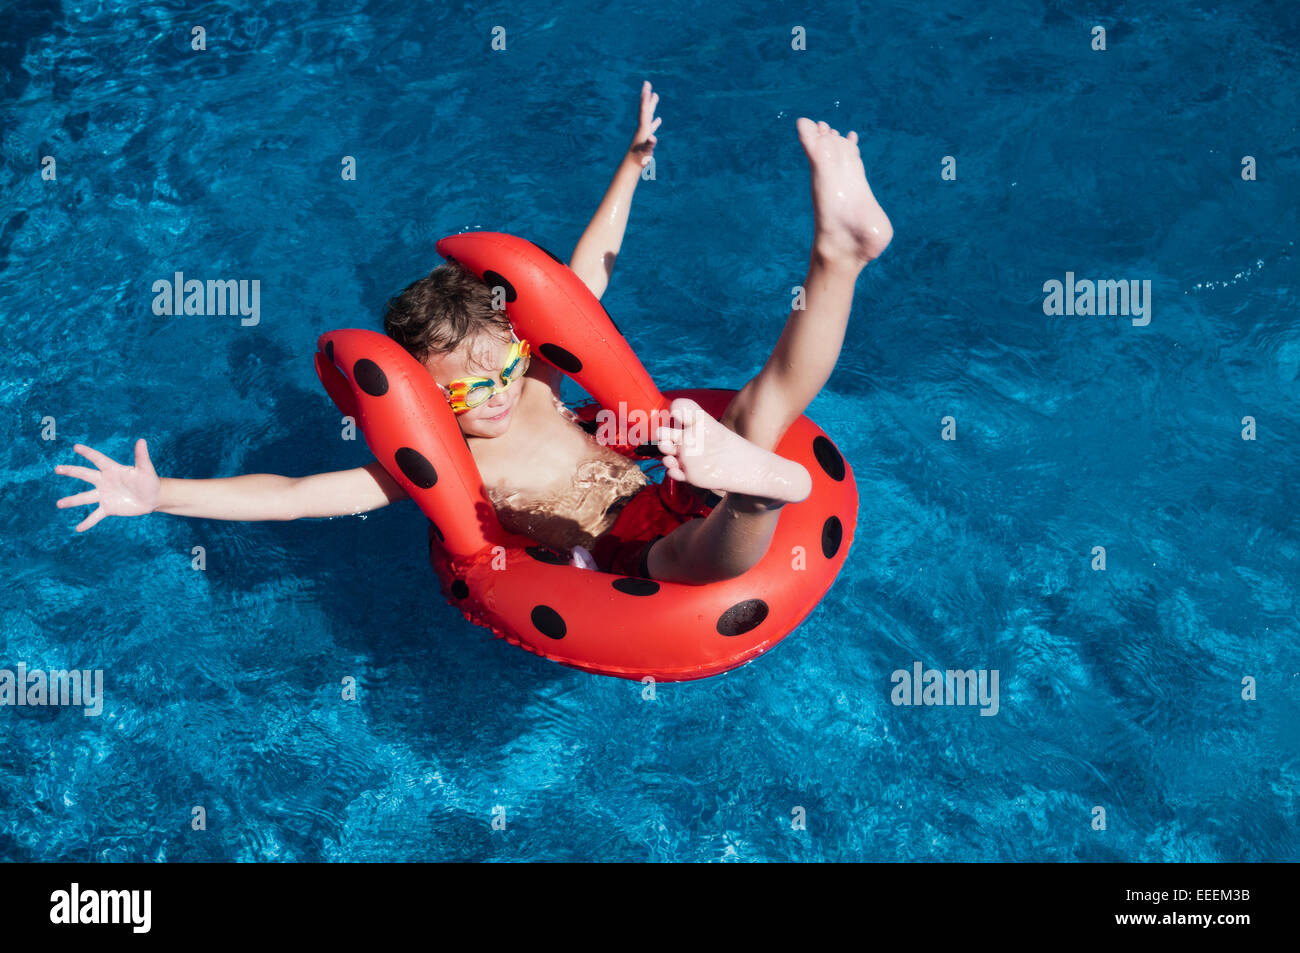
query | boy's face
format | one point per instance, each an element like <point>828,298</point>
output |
<point>479,356</point>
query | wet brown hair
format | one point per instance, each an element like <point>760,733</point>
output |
<point>436,314</point>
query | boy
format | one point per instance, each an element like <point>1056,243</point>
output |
<point>548,478</point>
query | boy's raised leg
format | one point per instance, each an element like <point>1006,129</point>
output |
<point>850,229</point>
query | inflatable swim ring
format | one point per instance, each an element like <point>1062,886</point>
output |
<point>527,593</point>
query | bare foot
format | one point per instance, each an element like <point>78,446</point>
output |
<point>850,224</point>
<point>706,454</point>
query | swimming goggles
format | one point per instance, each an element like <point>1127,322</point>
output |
<point>466,393</point>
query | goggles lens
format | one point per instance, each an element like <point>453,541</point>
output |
<point>480,393</point>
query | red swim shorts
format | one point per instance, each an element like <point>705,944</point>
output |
<point>655,511</point>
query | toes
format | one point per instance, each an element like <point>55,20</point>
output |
<point>684,410</point>
<point>823,127</point>
<point>669,440</point>
<point>674,469</point>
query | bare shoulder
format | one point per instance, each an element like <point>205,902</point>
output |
<point>542,396</point>
<point>544,373</point>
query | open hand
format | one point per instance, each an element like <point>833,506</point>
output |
<point>119,490</point>
<point>643,143</point>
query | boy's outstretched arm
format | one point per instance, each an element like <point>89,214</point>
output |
<point>344,492</point>
<point>133,491</point>
<point>593,258</point>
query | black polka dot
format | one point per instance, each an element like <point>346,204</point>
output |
<point>636,587</point>
<point>832,536</point>
<point>497,280</point>
<point>712,499</point>
<point>742,617</point>
<point>548,622</point>
<point>561,358</point>
<point>551,253</point>
<point>329,350</point>
<point>591,426</point>
<point>829,458</point>
<point>649,450</point>
<point>416,467</point>
<point>460,589</point>
<point>370,378</point>
<point>544,555</point>
<point>437,532</point>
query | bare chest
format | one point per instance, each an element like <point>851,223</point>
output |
<point>548,479</point>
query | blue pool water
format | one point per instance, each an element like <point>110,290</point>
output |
<point>1119,689</point>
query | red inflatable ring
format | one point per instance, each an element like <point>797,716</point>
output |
<point>528,594</point>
